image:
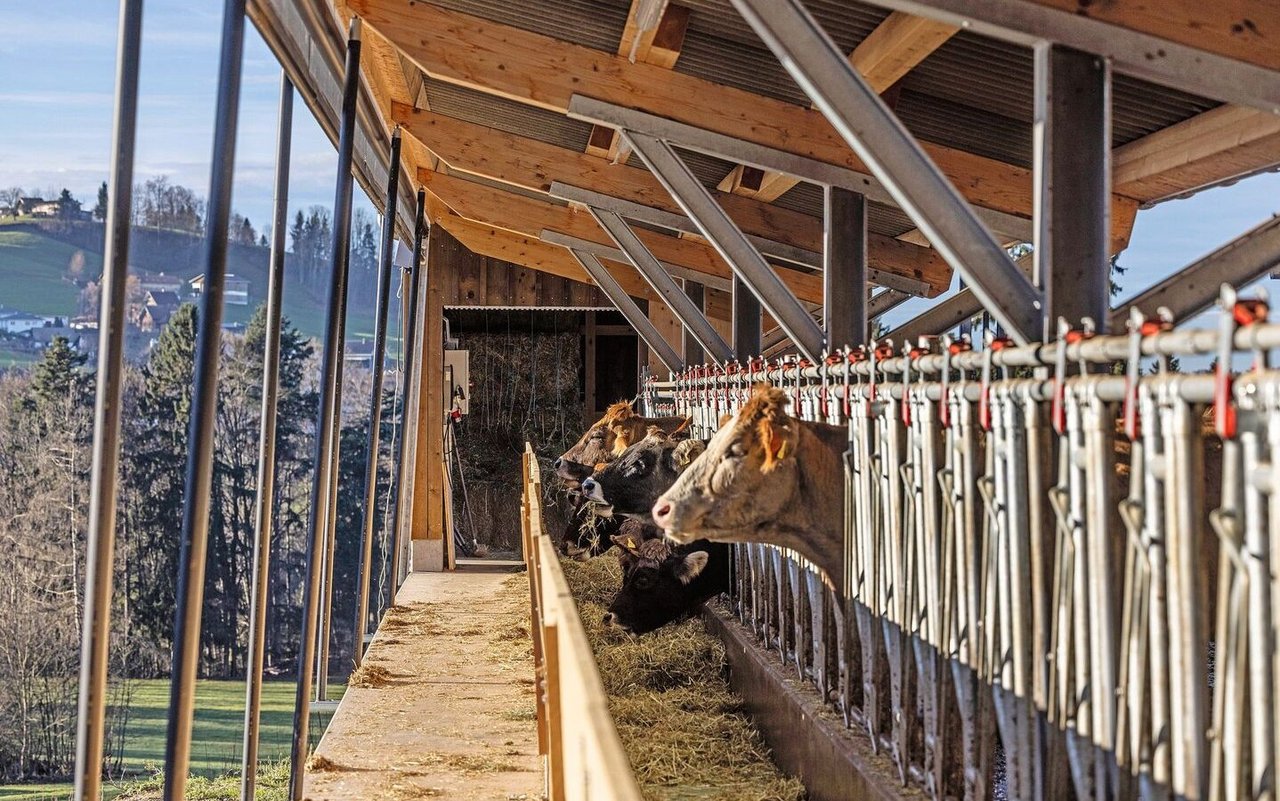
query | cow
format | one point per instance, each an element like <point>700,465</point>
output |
<point>765,477</point>
<point>663,582</point>
<point>631,483</point>
<point>605,439</point>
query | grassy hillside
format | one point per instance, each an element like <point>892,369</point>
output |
<point>217,737</point>
<point>38,267</point>
<point>36,272</point>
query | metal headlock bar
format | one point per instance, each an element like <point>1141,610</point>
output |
<point>1055,560</point>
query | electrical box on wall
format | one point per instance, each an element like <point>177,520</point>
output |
<point>457,380</point>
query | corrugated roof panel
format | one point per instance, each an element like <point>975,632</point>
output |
<point>506,115</point>
<point>966,128</point>
<point>591,23</point>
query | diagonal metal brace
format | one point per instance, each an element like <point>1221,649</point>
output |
<point>681,305</point>
<point>897,161</point>
<point>746,262</point>
<point>614,291</point>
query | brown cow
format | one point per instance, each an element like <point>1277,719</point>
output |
<point>606,439</point>
<point>750,486</point>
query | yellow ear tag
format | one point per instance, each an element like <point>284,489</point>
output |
<point>782,452</point>
<point>631,544</point>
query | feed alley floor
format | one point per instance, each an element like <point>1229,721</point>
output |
<point>444,705</point>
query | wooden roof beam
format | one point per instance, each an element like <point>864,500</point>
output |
<point>529,217</point>
<point>889,52</point>
<point>659,46</point>
<point>534,165</point>
<point>1218,145</point>
<point>546,72</point>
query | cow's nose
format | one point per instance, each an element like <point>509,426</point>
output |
<point>589,487</point>
<point>608,618</point>
<point>661,512</point>
<point>556,464</point>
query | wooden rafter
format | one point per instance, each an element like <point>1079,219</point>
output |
<point>534,165</point>
<point>1223,143</point>
<point>659,46</point>
<point>529,217</point>
<point>546,72</point>
<point>888,53</point>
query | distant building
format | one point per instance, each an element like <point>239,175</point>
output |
<point>160,282</point>
<point>235,292</point>
<point>160,297</point>
<point>358,353</point>
<point>13,321</point>
<point>39,207</point>
<point>43,337</point>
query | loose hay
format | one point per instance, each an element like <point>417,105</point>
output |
<point>683,729</point>
<point>369,676</point>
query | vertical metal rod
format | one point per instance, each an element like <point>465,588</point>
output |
<point>844,267</point>
<point>100,552</point>
<point>746,322</point>
<point>375,395</point>
<point>267,451</point>
<point>204,409</point>
<point>693,352</point>
<point>1072,143</point>
<point>409,370</point>
<point>331,518</point>
<point>328,411</point>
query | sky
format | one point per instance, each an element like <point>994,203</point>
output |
<point>56,83</point>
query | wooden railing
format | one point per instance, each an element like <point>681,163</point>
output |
<point>585,759</point>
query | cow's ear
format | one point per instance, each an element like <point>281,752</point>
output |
<point>777,435</point>
<point>692,566</point>
<point>625,541</point>
<point>686,452</point>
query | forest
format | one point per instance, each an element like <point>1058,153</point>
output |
<point>46,422</point>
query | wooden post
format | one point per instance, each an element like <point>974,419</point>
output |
<point>428,491</point>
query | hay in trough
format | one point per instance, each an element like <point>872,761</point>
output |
<point>683,729</point>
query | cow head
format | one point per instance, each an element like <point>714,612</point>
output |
<point>663,582</point>
<point>631,483</point>
<point>745,478</point>
<point>608,437</point>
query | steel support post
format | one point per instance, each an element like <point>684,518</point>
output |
<point>693,352</point>
<point>897,160</point>
<point>100,550</point>
<point>844,276</point>
<point>266,451</point>
<point>639,321</point>
<point>1072,145</point>
<point>325,631</point>
<point>189,596</point>
<point>746,322</point>
<point>322,457</point>
<point>375,396</point>
<point>724,234</point>
<point>689,315</point>
<point>408,370</point>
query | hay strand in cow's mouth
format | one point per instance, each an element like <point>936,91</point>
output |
<point>684,730</point>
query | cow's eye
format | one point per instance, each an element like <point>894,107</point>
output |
<point>634,469</point>
<point>737,450</point>
<point>644,581</point>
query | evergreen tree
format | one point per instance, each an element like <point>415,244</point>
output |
<point>57,379</point>
<point>100,210</point>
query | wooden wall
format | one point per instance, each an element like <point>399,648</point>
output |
<point>473,280</point>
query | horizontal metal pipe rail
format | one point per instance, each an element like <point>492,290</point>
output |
<point>1039,552</point>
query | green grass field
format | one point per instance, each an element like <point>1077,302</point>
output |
<point>216,741</point>
<point>33,272</point>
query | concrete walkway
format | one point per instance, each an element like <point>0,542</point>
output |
<point>446,709</point>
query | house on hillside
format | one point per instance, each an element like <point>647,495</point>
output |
<point>358,353</point>
<point>160,282</point>
<point>41,338</point>
<point>13,321</point>
<point>155,310</point>
<point>37,207</point>
<point>236,290</point>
